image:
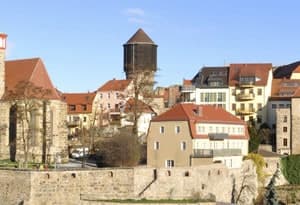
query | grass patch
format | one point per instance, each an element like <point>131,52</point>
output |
<point>161,201</point>
<point>7,163</point>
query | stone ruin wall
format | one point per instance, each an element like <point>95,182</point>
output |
<point>72,187</point>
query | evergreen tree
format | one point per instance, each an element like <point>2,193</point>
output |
<point>271,196</point>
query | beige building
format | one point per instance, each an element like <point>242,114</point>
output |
<point>249,90</point>
<point>190,135</point>
<point>80,111</point>
<point>27,91</point>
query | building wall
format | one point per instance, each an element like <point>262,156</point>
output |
<point>169,144</point>
<point>210,96</point>
<point>56,133</point>
<point>283,131</point>
<point>77,186</point>
<point>2,71</point>
<point>295,141</point>
<point>272,107</point>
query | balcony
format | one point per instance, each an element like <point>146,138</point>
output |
<point>245,96</point>
<point>246,84</point>
<point>210,153</point>
<point>73,123</point>
<point>115,111</point>
<point>249,111</point>
<point>188,88</point>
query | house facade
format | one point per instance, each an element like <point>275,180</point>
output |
<point>80,111</point>
<point>27,91</point>
<point>190,135</point>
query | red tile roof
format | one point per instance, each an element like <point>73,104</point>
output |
<point>115,85</point>
<point>187,82</point>
<point>28,70</point>
<point>79,100</point>
<point>283,89</point>
<point>260,71</point>
<point>297,70</point>
<point>140,37</point>
<point>199,114</point>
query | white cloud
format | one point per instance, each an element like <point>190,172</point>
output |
<point>136,20</point>
<point>135,12</point>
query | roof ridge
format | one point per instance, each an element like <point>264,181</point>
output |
<point>24,59</point>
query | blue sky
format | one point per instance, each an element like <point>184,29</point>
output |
<point>81,41</point>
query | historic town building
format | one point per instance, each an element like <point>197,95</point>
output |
<point>33,115</point>
<point>190,135</point>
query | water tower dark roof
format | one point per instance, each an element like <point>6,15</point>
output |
<point>140,37</point>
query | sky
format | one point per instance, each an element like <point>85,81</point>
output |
<point>81,41</point>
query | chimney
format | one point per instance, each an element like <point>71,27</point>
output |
<point>2,62</point>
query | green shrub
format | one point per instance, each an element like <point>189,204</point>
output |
<point>259,163</point>
<point>290,167</point>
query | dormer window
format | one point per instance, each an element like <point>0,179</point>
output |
<point>84,107</point>
<point>72,107</point>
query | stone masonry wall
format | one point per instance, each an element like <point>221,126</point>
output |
<point>77,186</point>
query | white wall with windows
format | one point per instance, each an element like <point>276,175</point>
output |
<point>213,96</point>
<point>222,144</point>
<point>231,129</point>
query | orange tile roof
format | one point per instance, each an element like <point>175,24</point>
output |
<point>187,82</point>
<point>79,99</point>
<point>297,70</point>
<point>259,70</point>
<point>140,37</point>
<point>199,114</point>
<point>28,70</point>
<point>283,88</point>
<point>115,85</point>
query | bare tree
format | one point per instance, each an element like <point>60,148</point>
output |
<point>27,98</point>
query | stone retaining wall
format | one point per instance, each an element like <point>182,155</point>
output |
<point>72,187</point>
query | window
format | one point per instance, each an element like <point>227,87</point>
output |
<point>101,95</point>
<point>233,92</point>
<point>84,107</point>
<point>259,106</point>
<point>183,146</point>
<point>169,163</point>
<point>177,129</point>
<point>242,106</point>
<point>285,142</point>
<point>259,91</point>
<point>162,129</point>
<point>72,107</point>
<point>285,118</point>
<point>117,95</point>
<point>251,108</point>
<point>284,129</point>
<point>259,120</point>
<point>281,105</point>
<point>108,95</point>
<point>274,106</point>
<point>233,107</point>
<point>108,105</point>
<point>84,119</point>
<point>156,145</point>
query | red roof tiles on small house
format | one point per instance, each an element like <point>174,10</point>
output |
<point>82,102</point>
<point>115,85</point>
<point>187,82</point>
<point>28,70</point>
<point>260,71</point>
<point>200,114</point>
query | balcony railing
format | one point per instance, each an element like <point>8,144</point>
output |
<point>246,84</point>
<point>249,111</point>
<point>75,123</point>
<point>210,153</point>
<point>188,88</point>
<point>115,111</point>
<point>246,96</point>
